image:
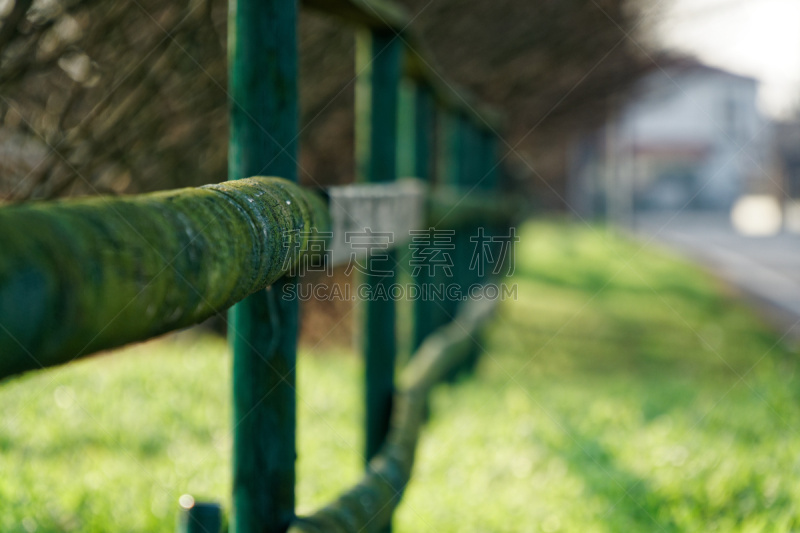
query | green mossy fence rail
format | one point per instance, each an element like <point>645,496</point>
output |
<point>84,275</point>
<point>79,276</point>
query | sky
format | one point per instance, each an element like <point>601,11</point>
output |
<point>759,38</point>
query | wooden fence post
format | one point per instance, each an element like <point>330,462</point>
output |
<point>262,59</point>
<point>378,62</point>
<point>424,126</point>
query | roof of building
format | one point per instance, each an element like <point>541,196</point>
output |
<point>688,64</point>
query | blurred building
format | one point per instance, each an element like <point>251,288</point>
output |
<point>787,147</point>
<point>690,136</point>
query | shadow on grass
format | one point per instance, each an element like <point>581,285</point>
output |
<point>632,504</point>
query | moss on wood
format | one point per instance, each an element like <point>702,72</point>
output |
<point>84,275</point>
<point>369,505</point>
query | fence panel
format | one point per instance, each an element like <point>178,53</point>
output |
<point>164,261</point>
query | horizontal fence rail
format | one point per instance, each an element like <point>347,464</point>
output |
<point>79,276</point>
<point>144,265</point>
<point>449,207</point>
<point>369,505</point>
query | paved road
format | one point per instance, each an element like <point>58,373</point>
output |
<point>765,268</point>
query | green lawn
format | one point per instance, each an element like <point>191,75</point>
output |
<point>623,391</point>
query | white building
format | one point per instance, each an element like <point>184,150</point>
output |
<point>690,137</point>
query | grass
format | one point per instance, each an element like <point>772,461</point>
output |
<point>624,390</point>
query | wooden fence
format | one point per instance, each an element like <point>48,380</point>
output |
<point>92,274</point>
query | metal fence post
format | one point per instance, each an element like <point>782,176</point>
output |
<point>450,169</point>
<point>262,50</point>
<point>474,181</point>
<point>470,186</point>
<point>491,170</point>
<point>488,165</point>
<point>199,517</point>
<point>378,61</point>
<point>424,126</point>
